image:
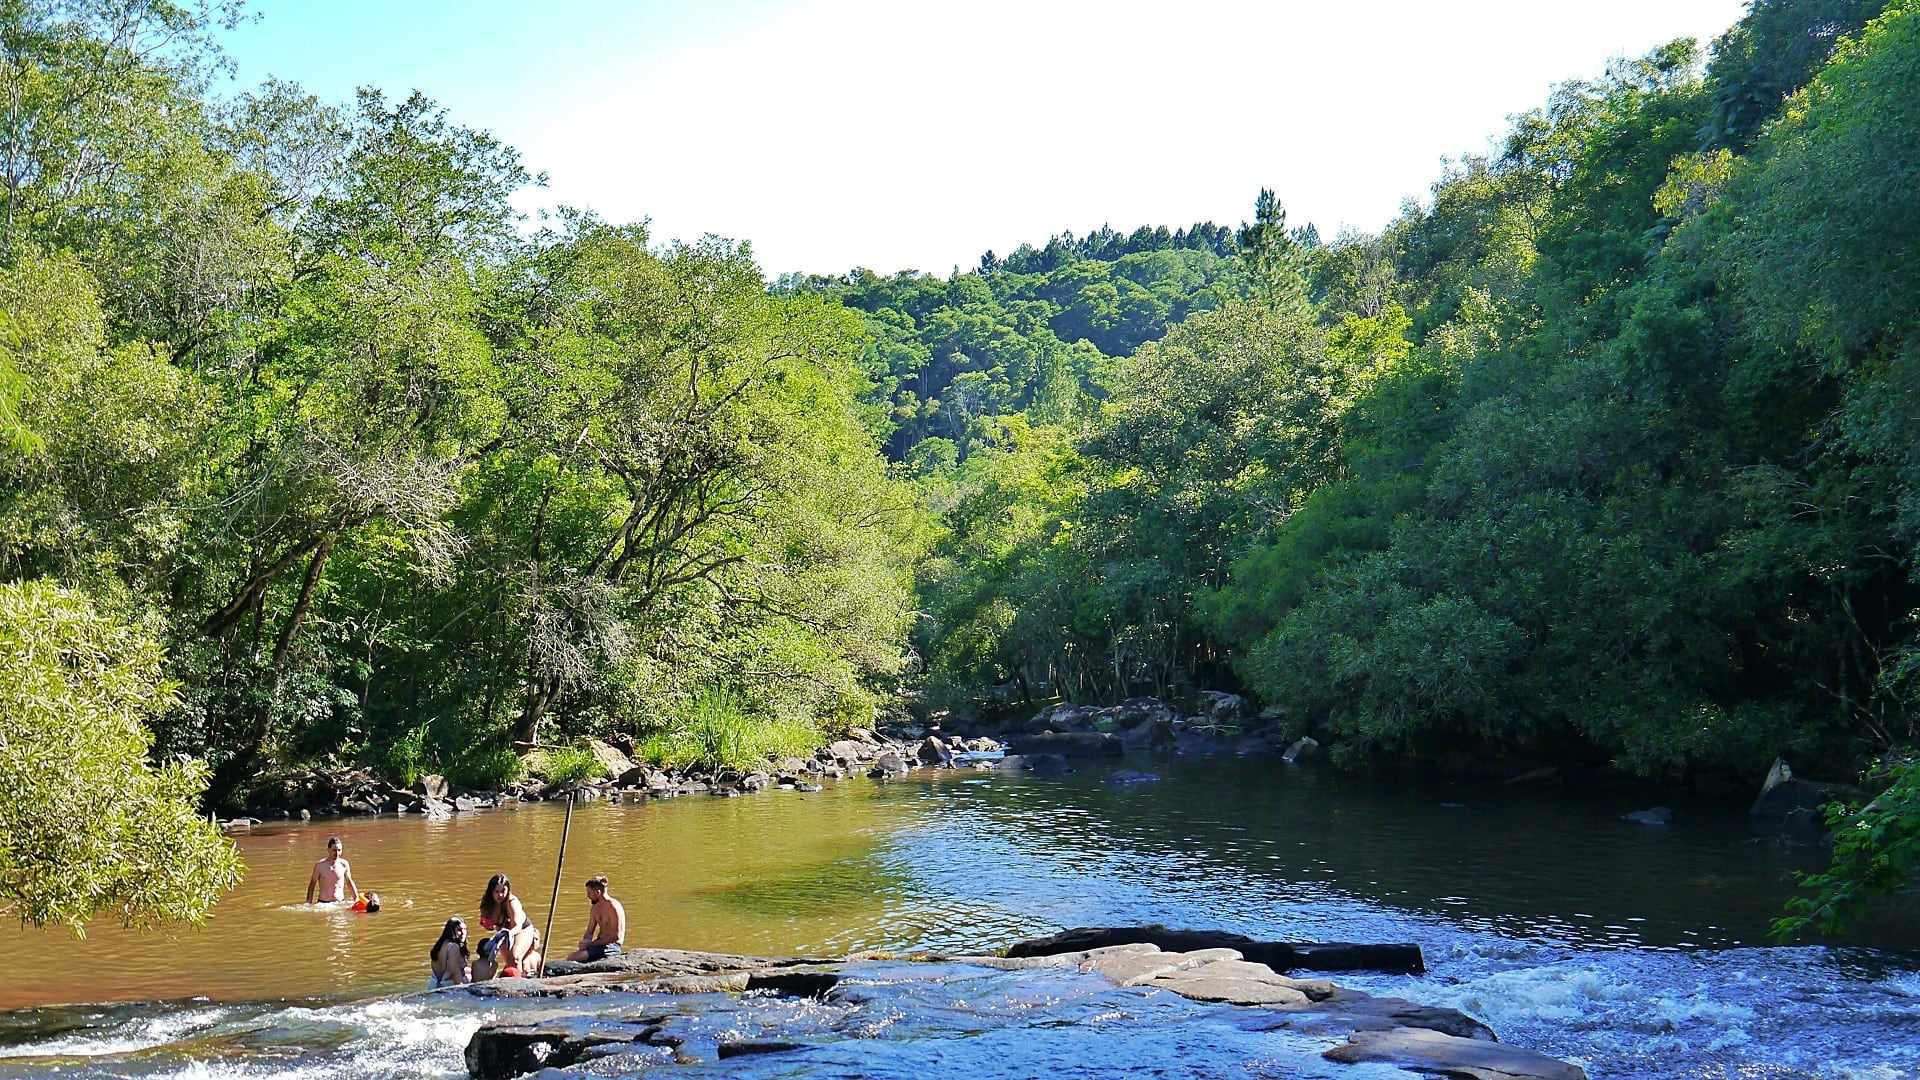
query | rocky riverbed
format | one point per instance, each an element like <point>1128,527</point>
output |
<point>1201,967</point>
<point>1047,744</point>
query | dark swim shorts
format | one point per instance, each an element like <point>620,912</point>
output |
<point>601,952</point>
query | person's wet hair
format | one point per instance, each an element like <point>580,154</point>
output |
<point>447,932</point>
<point>496,911</point>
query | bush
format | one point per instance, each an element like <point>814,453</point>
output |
<point>569,765</point>
<point>717,731</point>
<point>88,827</point>
<point>485,769</point>
<point>406,759</point>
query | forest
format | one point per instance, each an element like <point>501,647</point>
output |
<point>1604,451</point>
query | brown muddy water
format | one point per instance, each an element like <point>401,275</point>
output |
<point>1638,951</point>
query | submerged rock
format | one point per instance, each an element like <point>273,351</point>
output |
<point>745,1047</point>
<point>1130,776</point>
<point>1656,815</point>
<point>1466,1059</point>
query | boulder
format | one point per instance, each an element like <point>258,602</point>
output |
<point>1399,959</point>
<point>1070,744</point>
<point>754,781</point>
<point>934,752</point>
<point>431,786</point>
<point>1223,708</point>
<point>466,804</point>
<point>849,751</point>
<point>612,761</point>
<point>888,766</point>
<point>1304,750</point>
<point>1130,776</point>
<point>501,1051</point>
<point>1045,765</point>
<point>437,808</point>
<point>1423,1050</point>
<point>804,984</point>
<point>1789,801</point>
<point>1655,815</point>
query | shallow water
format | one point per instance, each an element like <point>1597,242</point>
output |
<point>1636,951</point>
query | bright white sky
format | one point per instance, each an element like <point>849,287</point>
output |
<point>894,134</point>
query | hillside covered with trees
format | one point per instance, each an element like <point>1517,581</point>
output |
<point>1604,452</point>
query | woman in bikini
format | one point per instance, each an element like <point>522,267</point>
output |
<point>500,910</point>
<point>450,955</point>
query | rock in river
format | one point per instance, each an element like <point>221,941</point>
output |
<point>1130,776</point>
<point>1466,1059</point>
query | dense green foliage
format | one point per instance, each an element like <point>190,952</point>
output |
<point>1604,453</point>
<point>396,480</point>
<point>91,828</point>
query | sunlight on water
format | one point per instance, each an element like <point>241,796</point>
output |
<point>1628,949</point>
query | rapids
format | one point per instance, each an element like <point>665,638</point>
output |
<point>1635,951</point>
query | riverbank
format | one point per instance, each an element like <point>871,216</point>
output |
<point>1383,1030</point>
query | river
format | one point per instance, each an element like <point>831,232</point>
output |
<point>1637,951</point>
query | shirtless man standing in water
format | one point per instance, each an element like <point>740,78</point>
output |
<point>332,877</point>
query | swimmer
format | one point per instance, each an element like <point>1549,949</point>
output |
<point>332,877</point>
<point>449,955</point>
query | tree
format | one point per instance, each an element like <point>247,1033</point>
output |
<point>92,828</point>
<point>1271,259</point>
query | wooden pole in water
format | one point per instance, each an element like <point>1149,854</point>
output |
<point>546,939</point>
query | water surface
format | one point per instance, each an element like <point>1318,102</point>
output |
<point>1637,951</point>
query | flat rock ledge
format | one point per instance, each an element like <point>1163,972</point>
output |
<point>1426,1039</point>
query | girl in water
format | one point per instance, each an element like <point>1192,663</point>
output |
<point>501,910</point>
<point>450,955</point>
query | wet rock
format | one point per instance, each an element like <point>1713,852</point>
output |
<point>1428,1051</point>
<point>754,781</point>
<point>934,752</point>
<point>1130,776</point>
<point>501,1051</point>
<point>745,1047</point>
<point>888,766</point>
<point>431,786</point>
<point>1305,750</point>
<point>466,804</point>
<point>1240,982</point>
<point>1134,965</point>
<point>436,809</point>
<point>1788,801</point>
<point>1654,815</point>
<point>635,777</point>
<point>805,984</point>
<point>1079,744</point>
<point>1044,764</point>
<point>1399,959</point>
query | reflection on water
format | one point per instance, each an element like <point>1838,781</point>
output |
<point>1628,948</point>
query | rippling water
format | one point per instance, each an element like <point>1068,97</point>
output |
<point>1636,951</point>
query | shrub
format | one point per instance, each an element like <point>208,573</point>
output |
<point>484,769</point>
<point>406,759</point>
<point>88,826</point>
<point>569,765</point>
<point>717,731</point>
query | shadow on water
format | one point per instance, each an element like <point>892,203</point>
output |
<point>1552,865</point>
<point>1626,948</point>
